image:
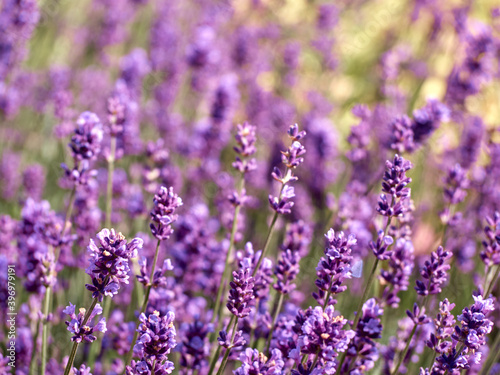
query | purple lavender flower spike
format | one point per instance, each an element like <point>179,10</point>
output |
<point>109,262</point>
<point>455,184</point>
<point>245,137</point>
<point>145,367</point>
<point>286,271</point>
<point>283,205</point>
<point>402,134</point>
<point>335,267</point>
<point>435,272</point>
<point>224,339</point>
<point>255,362</point>
<point>490,255</point>
<point>380,247</point>
<point>157,336</point>
<point>428,119</point>
<point>444,324</point>
<point>194,349</point>
<point>362,351</point>
<point>84,332</point>
<point>241,293</point>
<point>83,370</point>
<point>86,142</point>
<point>163,213</point>
<point>34,181</point>
<point>394,185</point>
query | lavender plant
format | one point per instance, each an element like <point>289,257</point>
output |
<point>195,99</point>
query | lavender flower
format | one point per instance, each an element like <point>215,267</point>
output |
<point>455,184</point>
<point>241,293</point>
<point>84,332</point>
<point>402,134</point>
<point>427,119</point>
<point>109,262</point>
<point>86,142</point>
<point>394,186</point>
<point>157,336</point>
<point>254,362</point>
<point>283,205</point>
<point>435,272</point>
<point>335,267</point>
<point>145,367</point>
<point>163,213</point>
<point>444,324</point>
<point>193,347</point>
<point>83,370</point>
<point>490,255</point>
<point>286,271</point>
<point>245,137</point>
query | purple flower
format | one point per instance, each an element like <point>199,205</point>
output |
<point>156,336</point>
<point>417,315</point>
<point>224,339</point>
<point>34,181</point>
<point>163,212</point>
<point>159,278</point>
<point>245,137</point>
<point>109,262</point>
<point>428,119</point>
<point>402,134</point>
<point>83,370</point>
<point>362,351</point>
<point>84,332</point>
<point>241,292</point>
<point>380,247</point>
<point>286,271</point>
<point>322,332</point>
<point>254,362</point>
<point>455,184</point>
<point>144,367</point>
<point>335,267</point>
<point>435,272</point>
<point>282,205</point>
<point>444,325</point>
<point>490,254</point>
<point>394,186</point>
<point>194,348</point>
<point>86,142</point>
<point>297,238</point>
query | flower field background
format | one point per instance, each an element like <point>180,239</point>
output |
<point>257,187</point>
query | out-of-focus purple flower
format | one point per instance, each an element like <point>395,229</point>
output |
<point>157,336</point>
<point>427,119</point>
<point>224,339</point>
<point>86,142</point>
<point>194,349</point>
<point>241,292</point>
<point>34,181</point>
<point>490,254</point>
<point>402,134</point>
<point>283,205</point>
<point>163,213</point>
<point>297,238</point>
<point>255,362</point>
<point>9,174</point>
<point>84,332</point>
<point>286,271</point>
<point>417,315</point>
<point>159,278</point>
<point>335,267</point>
<point>109,262</point>
<point>394,185</point>
<point>245,137</point>
<point>434,272</point>
<point>397,276</point>
<point>379,248</point>
<point>116,115</point>
<point>362,352</point>
<point>82,370</point>
<point>455,184</point>
<point>201,52</point>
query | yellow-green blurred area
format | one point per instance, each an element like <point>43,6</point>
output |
<point>366,29</point>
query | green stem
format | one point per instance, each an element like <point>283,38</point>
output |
<point>33,352</point>
<point>493,282</point>
<point>226,354</point>
<point>128,358</point>
<point>109,193</point>
<point>74,349</point>
<point>45,328</point>
<point>405,351</point>
<point>275,318</point>
<point>492,357</point>
<point>266,245</point>
<point>67,217</point>
<point>228,254</point>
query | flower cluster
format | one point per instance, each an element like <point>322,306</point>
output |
<point>81,325</point>
<point>109,262</point>
<point>163,213</point>
<point>434,272</point>
<point>241,292</point>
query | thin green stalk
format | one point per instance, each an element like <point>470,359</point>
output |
<point>269,233</point>
<point>74,349</point>
<point>226,354</point>
<point>405,351</point>
<point>217,352</point>
<point>33,351</point>
<point>493,282</point>
<point>45,328</point>
<point>228,254</point>
<point>266,245</point>
<point>275,318</point>
<point>109,193</point>
<point>67,217</point>
<point>492,357</point>
<point>128,358</point>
